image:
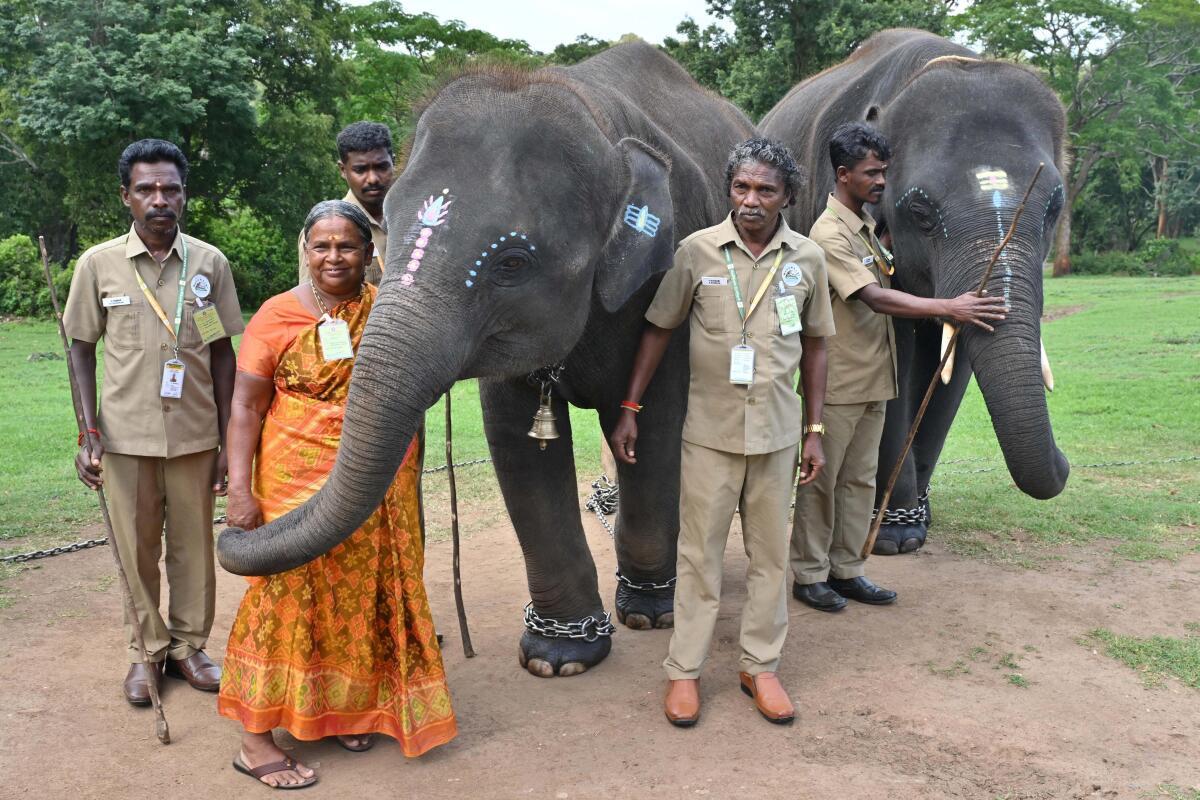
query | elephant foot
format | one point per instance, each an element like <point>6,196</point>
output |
<point>643,609</point>
<point>899,538</point>
<point>546,656</point>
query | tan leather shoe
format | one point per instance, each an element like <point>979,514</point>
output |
<point>198,670</point>
<point>683,702</point>
<point>770,697</point>
<point>137,683</point>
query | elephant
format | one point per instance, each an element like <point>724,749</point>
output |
<point>967,136</point>
<point>528,232</point>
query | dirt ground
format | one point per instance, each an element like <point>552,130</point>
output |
<point>909,701</point>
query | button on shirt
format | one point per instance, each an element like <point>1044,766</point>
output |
<point>765,416</point>
<point>862,355</point>
<point>134,419</point>
<point>374,271</point>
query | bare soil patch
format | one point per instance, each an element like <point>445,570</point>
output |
<point>910,701</point>
<point>1062,311</point>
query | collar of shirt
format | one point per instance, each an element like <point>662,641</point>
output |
<point>854,222</point>
<point>352,200</point>
<point>727,233</point>
<point>134,246</point>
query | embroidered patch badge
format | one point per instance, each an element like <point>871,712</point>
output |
<point>641,220</point>
<point>791,274</point>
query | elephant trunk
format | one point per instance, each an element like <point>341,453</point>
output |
<point>1007,366</point>
<point>395,379</point>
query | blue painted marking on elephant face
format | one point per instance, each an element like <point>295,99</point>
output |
<point>641,220</point>
<point>485,254</point>
<point>997,199</point>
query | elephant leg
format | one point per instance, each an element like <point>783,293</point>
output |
<point>943,407</point>
<point>896,533</point>
<point>540,493</point>
<point>647,526</point>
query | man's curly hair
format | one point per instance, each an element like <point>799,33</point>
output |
<point>761,150</point>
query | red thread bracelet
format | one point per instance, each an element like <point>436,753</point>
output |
<point>79,441</point>
<point>632,406</point>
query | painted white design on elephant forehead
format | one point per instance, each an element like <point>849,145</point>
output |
<point>641,220</point>
<point>991,178</point>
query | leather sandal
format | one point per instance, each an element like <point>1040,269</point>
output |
<point>366,742</point>
<point>258,773</point>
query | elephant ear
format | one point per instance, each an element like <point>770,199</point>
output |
<point>642,240</point>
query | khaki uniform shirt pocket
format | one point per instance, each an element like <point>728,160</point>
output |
<point>123,328</point>
<point>189,334</point>
<point>712,306</point>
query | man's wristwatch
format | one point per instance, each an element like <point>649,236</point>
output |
<point>818,428</point>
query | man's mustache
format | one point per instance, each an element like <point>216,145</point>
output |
<point>160,215</point>
<point>374,187</point>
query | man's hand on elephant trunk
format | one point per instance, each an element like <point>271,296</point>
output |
<point>623,438</point>
<point>812,459</point>
<point>970,308</point>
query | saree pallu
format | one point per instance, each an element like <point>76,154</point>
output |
<point>344,644</point>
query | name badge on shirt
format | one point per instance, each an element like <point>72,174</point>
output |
<point>208,323</point>
<point>714,281</point>
<point>789,315</point>
<point>172,380</point>
<point>868,260</point>
<point>335,339</point>
<point>741,365</point>
<point>119,300</point>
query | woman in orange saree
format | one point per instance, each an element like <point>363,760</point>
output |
<point>343,646</point>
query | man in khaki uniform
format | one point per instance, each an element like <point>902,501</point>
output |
<point>165,306</point>
<point>833,513</point>
<point>749,287</point>
<point>367,164</point>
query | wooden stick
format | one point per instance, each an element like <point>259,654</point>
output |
<point>463,631</point>
<point>160,725</point>
<point>916,424</point>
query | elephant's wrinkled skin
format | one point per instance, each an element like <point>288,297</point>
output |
<point>532,252</point>
<point>967,136</point>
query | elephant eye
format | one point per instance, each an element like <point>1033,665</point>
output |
<point>511,266</point>
<point>924,212</point>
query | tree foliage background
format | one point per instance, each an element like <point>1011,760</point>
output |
<point>254,92</point>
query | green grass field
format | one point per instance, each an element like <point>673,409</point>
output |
<point>1126,359</point>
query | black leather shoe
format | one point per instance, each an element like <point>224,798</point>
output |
<point>819,596</point>
<point>862,590</point>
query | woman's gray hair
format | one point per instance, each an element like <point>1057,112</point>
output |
<point>327,209</point>
<point>761,150</point>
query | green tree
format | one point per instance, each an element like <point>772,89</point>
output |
<point>1127,80</point>
<point>584,46</point>
<point>777,43</point>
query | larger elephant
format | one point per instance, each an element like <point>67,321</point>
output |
<point>527,235</point>
<point>967,135</point>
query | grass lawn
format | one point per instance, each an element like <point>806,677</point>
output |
<point>1127,369</point>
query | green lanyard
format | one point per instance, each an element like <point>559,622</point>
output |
<point>150,298</point>
<point>885,263</point>
<point>737,290</point>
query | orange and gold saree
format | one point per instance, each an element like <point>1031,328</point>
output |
<point>344,644</point>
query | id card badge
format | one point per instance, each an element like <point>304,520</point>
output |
<point>172,379</point>
<point>335,339</point>
<point>741,365</point>
<point>208,323</point>
<point>789,315</point>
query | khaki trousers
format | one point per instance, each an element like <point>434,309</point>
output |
<point>833,513</point>
<point>144,492</point>
<point>713,484</point>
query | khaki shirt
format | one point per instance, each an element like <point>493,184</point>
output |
<point>374,272</point>
<point>134,419</point>
<point>862,356</point>
<point>765,416</point>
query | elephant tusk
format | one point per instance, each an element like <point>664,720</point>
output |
<point>1047,375</point>
<point>948,370</point>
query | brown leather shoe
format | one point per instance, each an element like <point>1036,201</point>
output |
<point>770,697</point>
<point>683,702</point>
<point>198,670</point>
<point>137,683</point>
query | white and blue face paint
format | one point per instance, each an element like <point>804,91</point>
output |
<point>641,220</point>
<point>480,263</point>
<point>995,181</point>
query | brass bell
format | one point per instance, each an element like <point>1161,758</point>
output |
<point>543,423</point>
